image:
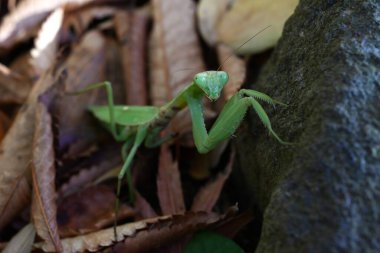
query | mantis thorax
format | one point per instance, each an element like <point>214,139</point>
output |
<point>211,82</point>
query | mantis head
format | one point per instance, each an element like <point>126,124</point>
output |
<point>211,82</point>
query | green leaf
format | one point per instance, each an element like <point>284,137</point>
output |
<point>209,242</point>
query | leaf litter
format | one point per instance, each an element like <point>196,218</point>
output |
<point>57,164</point>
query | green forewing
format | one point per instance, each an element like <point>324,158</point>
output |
<point>125,115</point>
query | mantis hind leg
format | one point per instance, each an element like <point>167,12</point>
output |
<point>140,136</point>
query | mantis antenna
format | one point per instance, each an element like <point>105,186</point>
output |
<point>229,57</point>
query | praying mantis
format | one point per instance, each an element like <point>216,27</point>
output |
<point>135,125</point>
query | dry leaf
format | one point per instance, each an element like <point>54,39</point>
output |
<point>94,166</point>
<point>209,13</point>
<point>144,208</point>
<point>174,47</point>
<point>169,188</point>
<point>247,17</point>
<point>235,67</point>
<point>89,210</point>
<point>23,22</point>
<point>85,65</point>
<point>16,154</point>
<point>22,241</point>
<point>207,197</point>
<point>44,208</point>
<point>14,88</point>
<point>5,122</point>
<point>131,28</point>
<point>170,231</point>
<point>44,52</point>
<point>103,238</point>
<point>175,57</point>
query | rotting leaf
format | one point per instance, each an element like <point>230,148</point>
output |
<point>89,210</point>
<point>169,187</point>
<point>16,154</point>
<point>207,197</point>
<point>44,208</point>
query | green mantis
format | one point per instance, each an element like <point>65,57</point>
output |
<point>135,125</point>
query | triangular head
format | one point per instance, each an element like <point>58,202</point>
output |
<point>211,82</point>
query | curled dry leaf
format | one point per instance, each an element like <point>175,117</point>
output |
<point>22,241</point>
<point>247,17</point>
<point>169,188</point>
<point>44,208</point>
<point>23,22</point>
<point>44,52</point>
<point>16,154</point>
<point>89,210</point>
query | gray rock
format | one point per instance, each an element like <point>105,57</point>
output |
<point>323,193</point>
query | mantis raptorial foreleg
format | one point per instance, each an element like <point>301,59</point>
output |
<point>229,118</point>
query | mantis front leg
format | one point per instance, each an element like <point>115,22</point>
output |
<point>229,119</point>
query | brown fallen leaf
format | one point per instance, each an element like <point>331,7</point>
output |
<point>45,48</point>
<point>244,18</point>
<point>207,197</point>
<point>174,53</point>
<point>209,13</point>
<point>89,210</point>
<point>94,166</point>
<point>236,69</point>
<point>131,28</point>
<point>22,241</point>
<point>44,207</point>
<point>144,235</point>
<point>84,66</point>
<point>14,88</point>
<point>16,154</point>
<point>23,22</point>
<point>170,230</point>
<point>5,122</point>
<point>169,187</point>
